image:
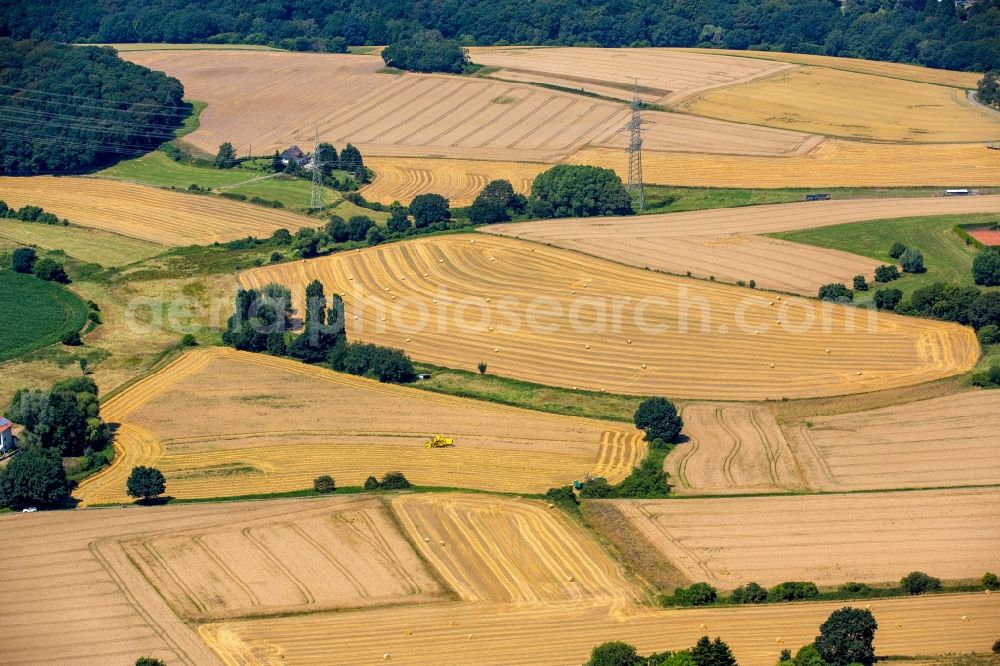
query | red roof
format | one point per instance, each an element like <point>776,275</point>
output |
<point>5,424</point>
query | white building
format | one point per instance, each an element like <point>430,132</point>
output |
<point>7,441</point>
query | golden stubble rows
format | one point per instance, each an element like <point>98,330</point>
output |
<point>268,425</point>
<point>566,319</point>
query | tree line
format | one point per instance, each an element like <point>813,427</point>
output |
<point>73,109</point>
<point>926,32</point>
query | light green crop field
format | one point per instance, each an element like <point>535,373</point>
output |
<point>90,245</point>
<point>947,257</point>
<point>35,314</point>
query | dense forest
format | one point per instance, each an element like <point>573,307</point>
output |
<point>72,109</point>
<point>930,32</point>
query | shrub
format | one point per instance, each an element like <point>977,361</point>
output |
<point>986,267</point>
<point>897,250</point>
<point>860,283</point>
<point>373,361</point>
<point>428,209</point>
<point>188,340</point>
<point>482,367</point>
<point>598,488</point>
<point>912,261</point>
<point>989,334</point>
<point>847,637</point>
<point>807,656</point>
<point>276,257</point>
<point>793,591</point>
<point>394,481</point>
<point>990,581</point>
<point>836,291</point>
<point>281,237</point>
<point>399,222</point>
<point>996,647</point>
<point>659,419</point>
<point>887,299</point>
<point>71,339</point>
<point>575,190</point>
<point>324,484</point>
<point>496,203</point>
<point>145,483</point>
<point>371,483</point>
<point>917,582</point>
<point>148,661</point>
<point>374,236</point>
<point>614,653</point>
<point>751,593</point>
<point>50,270</point>
<point>563,496</point>
<point>697,594</point>
<point>886,273</point>
<point>23,259</point>
<point>856,590</point>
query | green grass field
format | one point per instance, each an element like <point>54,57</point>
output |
<point>946,255</point>
<point>35,313</point>
<point>88,245</point>
<point>665,199</point>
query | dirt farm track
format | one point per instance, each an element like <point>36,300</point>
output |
<point>461,299</point>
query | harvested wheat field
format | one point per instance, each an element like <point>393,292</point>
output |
<point>268,425</point>
<point>147,213</point>
<point>827,539</point>
<point>729,243</point>
<point>459,181</point>
<point>76,593</point>
<point>664,75</point>
<point>343,555</point>
<point>948,441</point>
<point>732,449</point>
<point>491,549</point>
<point>564,634</point>
<point>892,70</point>
<point>560,318</point>
<point>834,163</point>
<point>869,107</point>
<point>248,92</point>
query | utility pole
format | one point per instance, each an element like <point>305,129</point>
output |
<point>634,128</point>
<point>316,200</point>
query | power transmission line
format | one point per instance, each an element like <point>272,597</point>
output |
<point>634,127</point>
<point>166,108</point>
<point>316,198</point>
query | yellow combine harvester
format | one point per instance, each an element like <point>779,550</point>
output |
<point>439,442</point>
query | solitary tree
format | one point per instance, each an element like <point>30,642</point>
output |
<point>886,273</point>
<point>615,653</point>
<point>324,484</point>
<point>917,582</point>
<point>985,267</point>
<point>897,250</point>
<point>912,260</point>
<point>148,661</point>
<point>482,367</point>
<point>226,157</point>
<point>847,637</point>
<point>145,483</point>
<point>659,419</point>
<point>860,283</point>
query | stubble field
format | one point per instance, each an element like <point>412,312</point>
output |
<point>827,539</point>
<point>562,634</point>
<point>942,442</point>
<point>868,107</point>
<point>730,244</point>
<point>834,163</point>
<point>512,551</point>
<point>147,213</point>
<point>601,326</point>
<point>664,75</point>
<point>276,424</point>
<point>459,181</point>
